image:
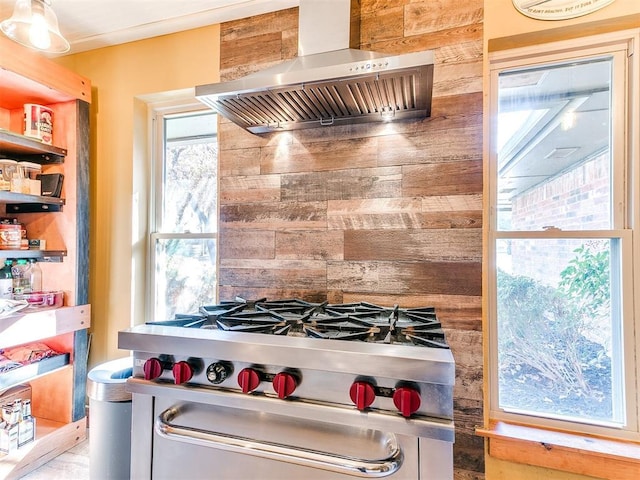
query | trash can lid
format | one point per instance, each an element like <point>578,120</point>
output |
<point>106,382</point>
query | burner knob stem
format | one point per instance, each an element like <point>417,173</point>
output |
<point>406,400</point>
<point>284,384</point>
<point>218,372</point>
<point>182,372</point>
<point>152,368</point>
<point>362,394</point>
<point>248,379</point>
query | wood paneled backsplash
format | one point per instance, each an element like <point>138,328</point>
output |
<point>385,213</point>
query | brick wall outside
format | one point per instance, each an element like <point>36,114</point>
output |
<point>576,200</point>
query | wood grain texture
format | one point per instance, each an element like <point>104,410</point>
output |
<point>439,211</point>
<point>388,24</point>
<point>275,32</point>
<point>318,295</point>
<point>291,215</point>
<point>453,278</point>
<point>246,243</point>
<point>262,273</point>
<point>326,155</point>
<point>344,184</point>
<point>232,140</point>
<point>25,70</point>
<point>427,17</point>
<point>451,178</point>
<point>53,439</point>
<point>384,213</point>
<point>458,138</point>
<point>249,189</point>
<point>585,454</point>
<point>323,245</point>
<point>443,245</point>
<point>239,161</point>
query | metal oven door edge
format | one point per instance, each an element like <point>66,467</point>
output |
<point>437,429</point>
<point>359,467</point>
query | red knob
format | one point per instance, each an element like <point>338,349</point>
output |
<point>284,384</point>
<point>152,368</point>
<point>248,379</point>
<point>362,394</point>
<point>182,372</point>
<point>406,400</point>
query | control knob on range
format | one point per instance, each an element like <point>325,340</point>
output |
<point>362,394</point>
<point>152,368</point>
<point>284,384</point>
<point>406,400</point>
<point>218,372</point>
<point>182,372</point>
<point>248,379</point>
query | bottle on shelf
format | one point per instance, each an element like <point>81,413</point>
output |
<point>21,284</point>
<point>6,280</point>
<point>34,273</point>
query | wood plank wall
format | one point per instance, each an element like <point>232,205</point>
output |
<point>390,214</point>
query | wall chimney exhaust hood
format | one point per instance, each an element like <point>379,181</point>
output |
<point>328,83</point>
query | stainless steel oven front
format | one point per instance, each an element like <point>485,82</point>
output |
<point>227,404</point>
<point>199,434</point>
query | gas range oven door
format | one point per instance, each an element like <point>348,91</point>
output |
<point>203,441</point>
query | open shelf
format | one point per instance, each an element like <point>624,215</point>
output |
<point>33,370</point>
<point>21,147</point>
<point>40,255</point>
<point>25,203</point>
<point>52,437</point>
<point>57,394</point>
<point>30,325</point>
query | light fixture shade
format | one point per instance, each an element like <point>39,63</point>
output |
<point>35,25</point>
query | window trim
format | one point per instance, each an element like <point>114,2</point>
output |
<point>625,152</point>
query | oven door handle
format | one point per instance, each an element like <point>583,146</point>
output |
<point>277,451</point>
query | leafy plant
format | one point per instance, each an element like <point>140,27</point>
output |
<point>587,278</point>
<point>539,333</point>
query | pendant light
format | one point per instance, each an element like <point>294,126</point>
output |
<point>35,25</point>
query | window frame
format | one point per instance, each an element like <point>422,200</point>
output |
<point>625,207</point>
<point>157,113</point>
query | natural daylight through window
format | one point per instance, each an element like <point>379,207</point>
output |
<point>560,240</point>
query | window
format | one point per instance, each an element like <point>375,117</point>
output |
<point>562,208</point>
<point>183,242</point>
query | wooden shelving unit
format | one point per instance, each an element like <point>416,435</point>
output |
<point>58,388</point>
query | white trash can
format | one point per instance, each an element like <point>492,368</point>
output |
<point>110,420</point>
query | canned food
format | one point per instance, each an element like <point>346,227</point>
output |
<point>38,122</point>
<point>10,236</point>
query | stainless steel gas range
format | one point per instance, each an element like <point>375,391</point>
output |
<point>288,389</point>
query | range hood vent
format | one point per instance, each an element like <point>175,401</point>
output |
<point>325,86</point>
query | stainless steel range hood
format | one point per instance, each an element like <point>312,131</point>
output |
<point>329,83</point>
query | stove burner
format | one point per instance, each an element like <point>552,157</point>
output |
<point>293,317</point>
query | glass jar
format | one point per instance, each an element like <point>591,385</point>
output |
<point>6,280</point>
<point>7,170</point>
<point>21,284</point>
<point>31,172</point>
<point>19,182</point>
<point>34,272</point>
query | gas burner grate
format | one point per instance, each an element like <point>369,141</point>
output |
<point>294,317</point>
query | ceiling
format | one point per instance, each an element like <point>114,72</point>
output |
<point>90,24</point>
<point>552,119</point>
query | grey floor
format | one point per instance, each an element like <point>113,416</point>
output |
<point>71,465</point>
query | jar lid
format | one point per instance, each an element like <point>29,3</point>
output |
<point>37,166</point>
<point>7,161</point>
